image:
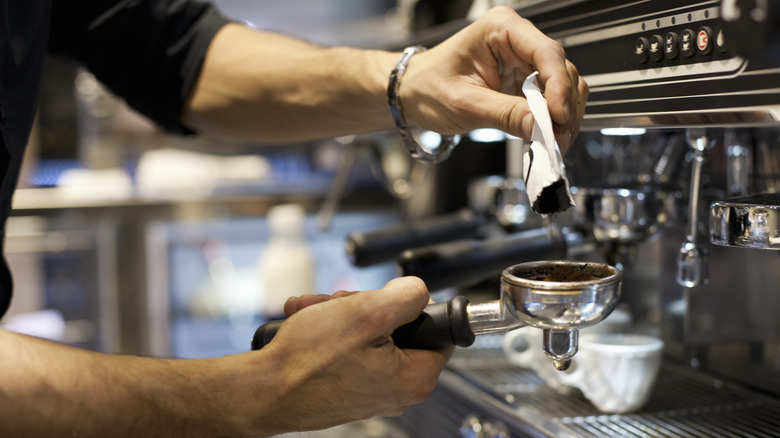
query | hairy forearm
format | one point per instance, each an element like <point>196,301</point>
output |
<point>332,362</point>
<point>51,390</point>
<point>260,86</point>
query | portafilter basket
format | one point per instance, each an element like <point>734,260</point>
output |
<point>561,297</point>
<point>558,297</point>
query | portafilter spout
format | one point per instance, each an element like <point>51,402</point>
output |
<point>559,297</point>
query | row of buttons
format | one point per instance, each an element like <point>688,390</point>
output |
<point>673,45</point>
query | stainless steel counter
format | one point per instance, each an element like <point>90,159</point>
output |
<point>480,385</point>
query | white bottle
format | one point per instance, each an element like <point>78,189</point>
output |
<point>286,265</point>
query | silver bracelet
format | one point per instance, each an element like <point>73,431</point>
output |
<point>448,142</point>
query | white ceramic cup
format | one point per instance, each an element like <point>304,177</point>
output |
<point>615,371</point>
<point>523,347</point>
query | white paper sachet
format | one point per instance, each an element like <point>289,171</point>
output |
<point>543,169</point>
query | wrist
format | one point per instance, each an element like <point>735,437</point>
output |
<point>396,106</point>
<point>247,391</point>
<point>227,396</point>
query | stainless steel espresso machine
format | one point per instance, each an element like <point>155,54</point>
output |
<point>675,175</point>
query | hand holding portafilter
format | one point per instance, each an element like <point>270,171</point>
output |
<point>559,297</point>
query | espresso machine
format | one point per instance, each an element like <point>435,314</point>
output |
<point>675,176</point>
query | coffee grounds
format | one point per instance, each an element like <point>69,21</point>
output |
<point>553,199</point>
<point>567,273</point>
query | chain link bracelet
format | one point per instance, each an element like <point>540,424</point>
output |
<point>448,142</point>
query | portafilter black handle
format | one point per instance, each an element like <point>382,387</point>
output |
<point>439,325</point>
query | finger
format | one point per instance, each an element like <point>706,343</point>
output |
<point>558,92</point>
<point>294,304</point>
<point>394,411</point>
<point>562,137</point>
<point>558,77</point>
<point>567,134</point>
<point>421,372</point>
<point>342,294</point>
<point>291,306</point>
<point>527,44</point>
<point>583,94</point>
<point>400,301</point>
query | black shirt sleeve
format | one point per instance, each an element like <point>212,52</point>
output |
<point>149,52</point>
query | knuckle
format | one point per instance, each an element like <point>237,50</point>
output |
<point>423,391</point>
<point>573,70</point>
<point>514,117</point>
<point>418,389</point>
<point>501,11</point>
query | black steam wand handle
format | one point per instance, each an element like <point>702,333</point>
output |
<point>439,325</point>
<point>369,248</point>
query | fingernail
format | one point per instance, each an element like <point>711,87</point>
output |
<point>527,124</point>
<point>566,113</point>
<point>291,306</point>
<point>567,137</point>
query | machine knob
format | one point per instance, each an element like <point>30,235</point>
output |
<point>672,45</point>
<point>704,40</point>
<point>688,43</point>
<point>656,48</point>
<point>641,48</point>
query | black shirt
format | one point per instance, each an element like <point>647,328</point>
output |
<point>148,51</point>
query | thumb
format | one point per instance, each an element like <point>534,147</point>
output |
<point>400,301</point>
<point>505,112</point>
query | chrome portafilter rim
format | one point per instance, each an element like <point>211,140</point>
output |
<point>530,275</point>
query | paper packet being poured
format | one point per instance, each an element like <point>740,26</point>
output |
<point>543,169</point>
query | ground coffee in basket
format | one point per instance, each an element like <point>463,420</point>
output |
<point>567,273</point>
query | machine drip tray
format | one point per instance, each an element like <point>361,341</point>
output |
<point>480,384</point>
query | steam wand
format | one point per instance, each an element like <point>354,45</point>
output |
<point>692,258</point>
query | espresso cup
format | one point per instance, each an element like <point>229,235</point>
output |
<point>523,347</point>
<point>615,371</point>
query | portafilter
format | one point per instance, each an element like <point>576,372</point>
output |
<point>559,297</point>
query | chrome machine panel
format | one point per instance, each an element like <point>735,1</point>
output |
<point>693,73</point>
<point>654,63</point>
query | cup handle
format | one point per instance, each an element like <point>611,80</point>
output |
<point>522,336</point>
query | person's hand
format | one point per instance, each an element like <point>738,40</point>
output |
<point>341,362</point>
<point>474,79</point>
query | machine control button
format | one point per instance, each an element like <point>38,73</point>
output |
<point>641,48</point>
<point>671,45</point>
<point>656,48</point>
<point>720,42</point>
<point>687,47</point>
<point>704,40</point>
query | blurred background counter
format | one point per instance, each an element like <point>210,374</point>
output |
<point>164,277</point>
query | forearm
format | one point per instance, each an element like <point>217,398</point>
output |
<point>259,86</point>
<point>331,363</point>
<point>50,390</point>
